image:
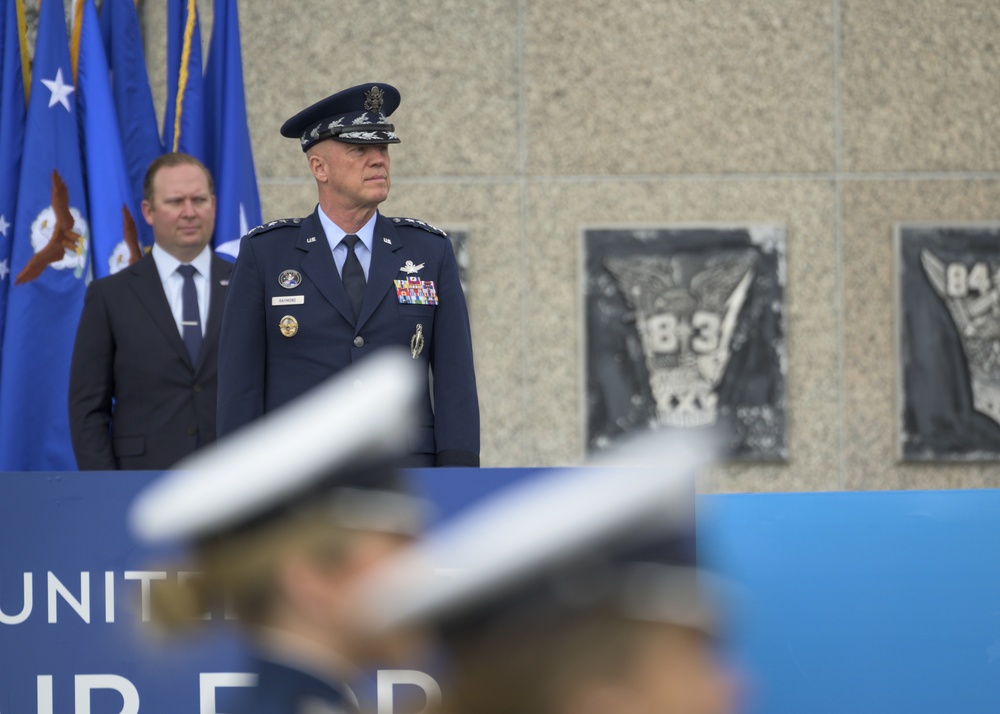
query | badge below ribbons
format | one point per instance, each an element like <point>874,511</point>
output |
<point>414,291</point>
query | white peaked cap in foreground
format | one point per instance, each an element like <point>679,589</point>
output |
<point>533,526</point>
<point>363,412</point>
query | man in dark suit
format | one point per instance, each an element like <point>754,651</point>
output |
<point>311,296</point>
<point>144,376</point>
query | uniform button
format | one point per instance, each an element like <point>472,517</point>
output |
<point>196,388</point>
<point>359,341</point>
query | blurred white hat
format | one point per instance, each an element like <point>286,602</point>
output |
<point>337,441</point>
<point>617,532</point>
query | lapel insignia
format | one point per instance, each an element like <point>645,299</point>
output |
<point>224,282</point>
<point>386,240</point>
<point>290,279</point>
<point>409,268</point>
<point>311,240</point>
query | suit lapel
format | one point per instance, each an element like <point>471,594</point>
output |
<point>218,287</point>
<point>148,289</point>
<point>383,269</point>
<point>319,265</point>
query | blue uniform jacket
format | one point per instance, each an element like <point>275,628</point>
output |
<point>285,689</point>
<point>260,368</point>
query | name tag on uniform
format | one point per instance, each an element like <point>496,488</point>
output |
<point>289,300</point>
<point>414,291</point>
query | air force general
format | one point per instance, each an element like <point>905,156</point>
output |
<point>311,296</point>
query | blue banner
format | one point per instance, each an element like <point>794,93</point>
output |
<point>133,99</point>
<point>109,193</point>
<point>227,134</point>
<point>836,602</point>
<point>50,259</point>
<point>12,100</point>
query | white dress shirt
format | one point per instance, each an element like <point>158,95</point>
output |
<point>173,283</point>
<point>363,249</point>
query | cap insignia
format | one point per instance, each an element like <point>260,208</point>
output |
<point>374,99</point>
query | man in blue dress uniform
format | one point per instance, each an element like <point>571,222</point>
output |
<point>280,519</point>
<point>311,296</point>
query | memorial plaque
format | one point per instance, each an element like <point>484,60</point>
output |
<point>684,329</point>
<point>948,342</point>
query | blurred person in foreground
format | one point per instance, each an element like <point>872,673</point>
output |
<point>280,520</point>
<point>578,592</point>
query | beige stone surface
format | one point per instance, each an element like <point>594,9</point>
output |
<point>919,85</point>
<point>679,87</point>
<point>458,114</point>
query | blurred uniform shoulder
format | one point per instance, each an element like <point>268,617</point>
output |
<point>399,221</point>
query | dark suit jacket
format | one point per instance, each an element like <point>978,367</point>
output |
<point>261,368</point>
<point>135,399</point>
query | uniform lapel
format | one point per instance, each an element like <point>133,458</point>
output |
<point>319,265</point>
<point>148,289</point>
<point>218,285</point>
<point>384,266</point>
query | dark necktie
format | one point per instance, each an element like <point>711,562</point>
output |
<point>353,275</point>
<point>190,314</point>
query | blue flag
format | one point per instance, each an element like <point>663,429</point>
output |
<point>133,99</point>
<point>184,116</point>
<point>44,304</point>
<point>11,139</point>
<point>109,192</point>
<point>227,134</point>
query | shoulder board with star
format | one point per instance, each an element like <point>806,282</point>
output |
<point>419,224</point>
<point>280,223</point>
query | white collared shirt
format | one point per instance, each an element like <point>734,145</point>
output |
<point>173,283</point>
<point>335,234</point>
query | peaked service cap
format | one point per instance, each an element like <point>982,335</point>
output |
<point>356,115</point>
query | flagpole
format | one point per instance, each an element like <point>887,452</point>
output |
<point>183,78</point>
<point>22,34</point>
<point>74,45</point>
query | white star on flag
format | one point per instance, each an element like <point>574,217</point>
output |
<point>60,91</point>
<point>4,270</point>
<point>4,225</point>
